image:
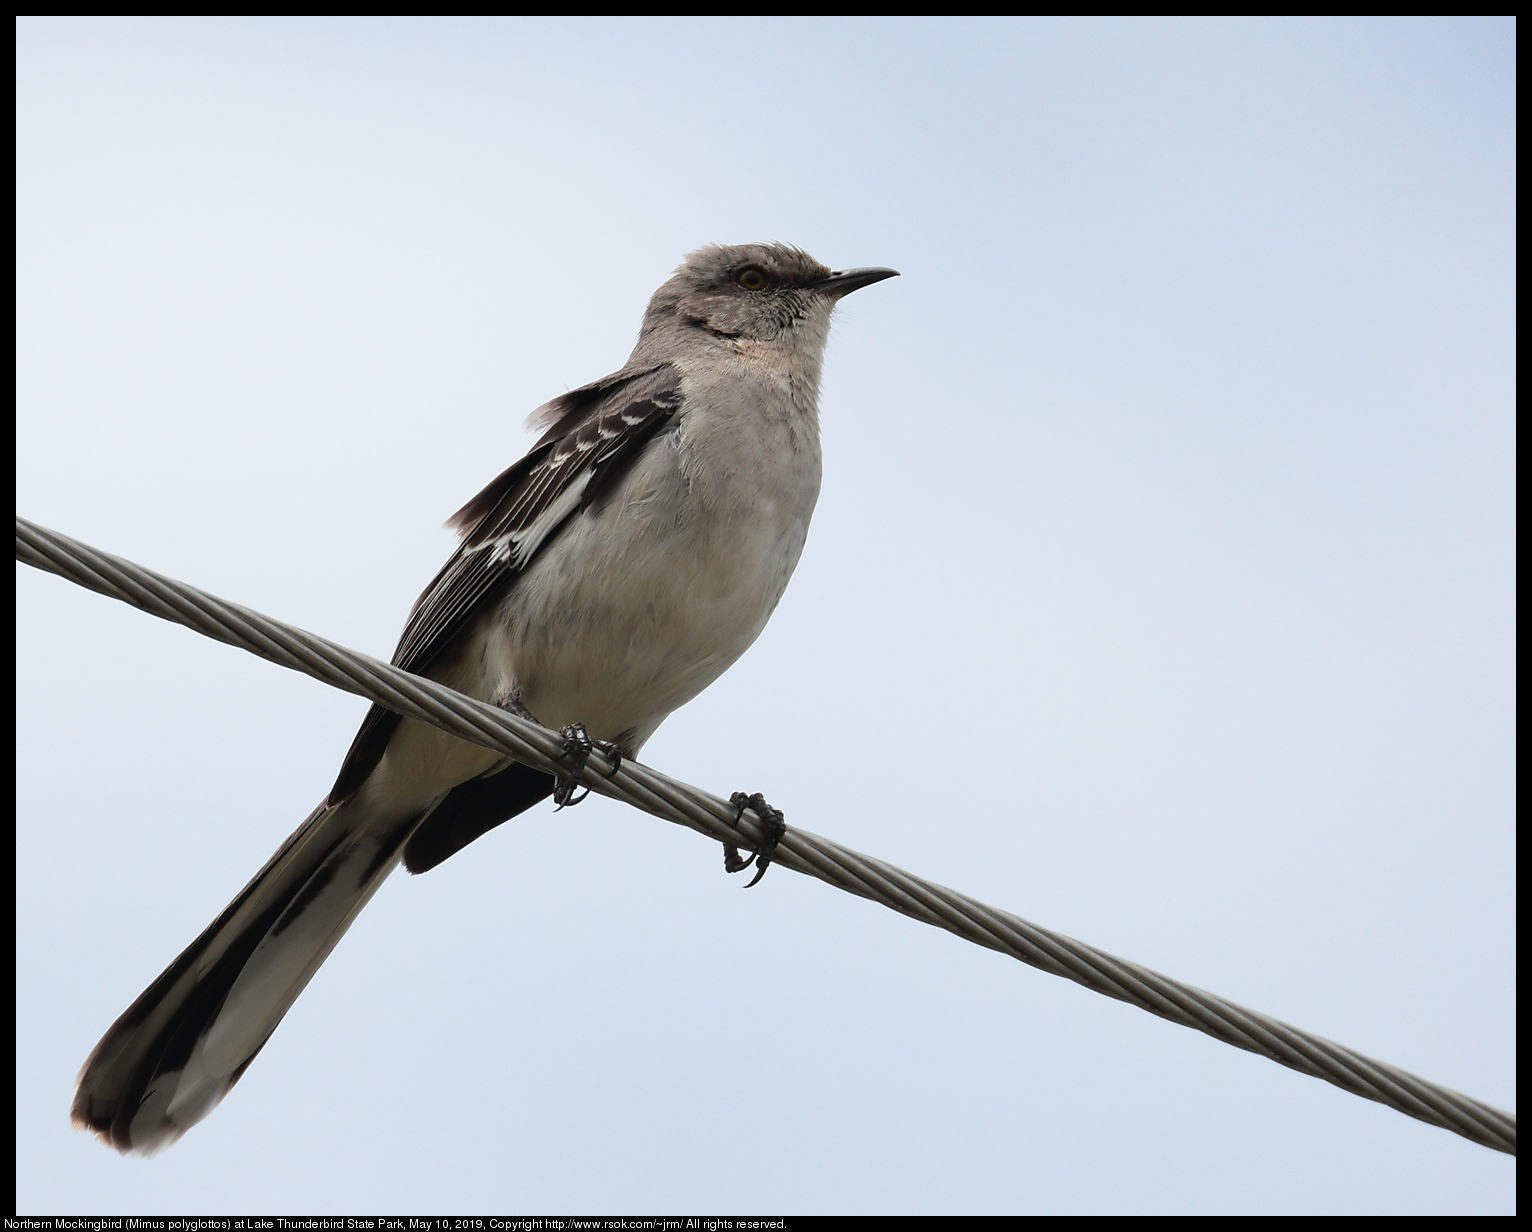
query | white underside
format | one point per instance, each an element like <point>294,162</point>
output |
<point>636,607</point>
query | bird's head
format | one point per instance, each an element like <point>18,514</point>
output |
<point>765,293</point>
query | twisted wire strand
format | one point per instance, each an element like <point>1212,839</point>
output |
<point>799,850</point>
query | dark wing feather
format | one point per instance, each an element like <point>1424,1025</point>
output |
<point>471,810</point>
<point>599,433</point>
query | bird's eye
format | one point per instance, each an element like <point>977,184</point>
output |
<point>751,278</point>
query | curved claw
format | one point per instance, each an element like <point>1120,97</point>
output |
<point>578,746</point>
<point>773,826</point>
<point>563,794</point>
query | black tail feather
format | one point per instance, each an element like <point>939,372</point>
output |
<point>473,809</point>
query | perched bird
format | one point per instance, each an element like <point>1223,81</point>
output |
<point>602,581</point>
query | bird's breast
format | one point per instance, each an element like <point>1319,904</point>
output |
<point>643,600</point>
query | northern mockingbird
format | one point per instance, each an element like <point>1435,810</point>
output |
<point>602,581</point>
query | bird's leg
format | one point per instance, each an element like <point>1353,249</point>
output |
<point>771,823</point>
<point>578,746</point>
<point>511,700</point>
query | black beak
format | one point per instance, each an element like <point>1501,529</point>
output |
<point>846,281</point>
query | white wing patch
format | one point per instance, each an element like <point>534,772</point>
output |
<point>518,546</point>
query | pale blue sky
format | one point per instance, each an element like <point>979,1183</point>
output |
<point>1160,591</point>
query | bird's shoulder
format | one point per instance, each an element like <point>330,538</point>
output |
<point>593,436</point>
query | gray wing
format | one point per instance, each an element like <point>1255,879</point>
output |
<point>598,433</point>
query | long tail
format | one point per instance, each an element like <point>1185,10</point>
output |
<point>179,1048</point>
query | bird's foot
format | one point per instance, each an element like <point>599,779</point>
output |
<point>771,823</point>
<point>578,746</point>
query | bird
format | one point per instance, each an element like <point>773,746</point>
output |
<point>599,583</point>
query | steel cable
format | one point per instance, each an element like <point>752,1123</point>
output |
<point>800,850</point>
